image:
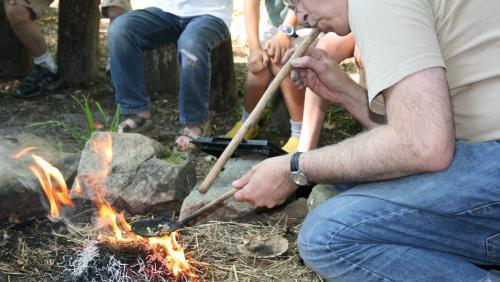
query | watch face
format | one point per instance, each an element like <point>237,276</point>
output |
<point>299,178</point>
<point>289,30</point>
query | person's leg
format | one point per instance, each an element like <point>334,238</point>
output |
<point>21,20</point>
<point>294,101</point>
<point>21,15</point>
<point>427,227</point>
<point>128,36</point>
<point>255,85</point>
<point>339,48</point>
<point>112,9</point>
<point>201,35</point>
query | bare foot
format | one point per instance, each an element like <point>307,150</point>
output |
<point>188,134</point>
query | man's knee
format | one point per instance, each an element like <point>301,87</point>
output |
<point>192,51</point>
<point>259,79</point>
<point>327,232</point>
<point>17,14</point>
<point>318,244</point>
<point>119,30</point>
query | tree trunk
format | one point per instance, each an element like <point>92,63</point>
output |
<point>15,61</point>
<point>77,52</point>
<point>161,71</point>
<point>162,74</point>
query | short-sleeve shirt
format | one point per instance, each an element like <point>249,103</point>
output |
<point>399,38</point>
<point>222,9</point>
<point>276,11</point>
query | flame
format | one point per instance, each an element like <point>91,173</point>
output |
<point>77,188</point>
<point>165,250</point>
<point>103,147</point>
<point>22,152</point>
<point>57,192</point>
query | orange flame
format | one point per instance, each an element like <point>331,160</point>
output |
<point>57,193</point>
<point>77,189</point>
<point>165,250</point>
<point>22,152</point>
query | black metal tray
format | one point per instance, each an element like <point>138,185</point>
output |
<point>215,146</point>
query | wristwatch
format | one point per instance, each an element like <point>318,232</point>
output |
<point>297,176</point>
<point>288,30</point>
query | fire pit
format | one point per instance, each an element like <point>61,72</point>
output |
<point>95,243</point>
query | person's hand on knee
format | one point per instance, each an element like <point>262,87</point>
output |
<point>257,60</point>
<point>277,47</point>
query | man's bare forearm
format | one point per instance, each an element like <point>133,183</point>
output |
<point>355,101</point>
<point>418,137</point>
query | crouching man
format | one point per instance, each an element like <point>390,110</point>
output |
<point>421,198</point>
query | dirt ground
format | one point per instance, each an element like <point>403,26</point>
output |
<point>20,115</point>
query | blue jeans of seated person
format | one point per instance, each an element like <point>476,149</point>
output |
<point>427,227</point>
<point>195,37</point>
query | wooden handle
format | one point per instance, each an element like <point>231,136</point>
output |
<point>208,206</point>
<point>254,117</point>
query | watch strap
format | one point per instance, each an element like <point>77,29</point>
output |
<point>294,162</point>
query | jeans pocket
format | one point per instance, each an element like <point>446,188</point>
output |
<point>493,247</point>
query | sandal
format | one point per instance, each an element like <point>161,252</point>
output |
<point>185,133</point>
<point>138,124</point>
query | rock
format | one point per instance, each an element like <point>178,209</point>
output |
<point>21,195</point>
<point>319,194</point>
<point>296,211</point>
<point>231,209</point>
<point>136,179</point>
<point>292,212</point>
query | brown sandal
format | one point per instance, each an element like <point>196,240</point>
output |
<point>138,124</point>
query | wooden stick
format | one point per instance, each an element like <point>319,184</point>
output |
<point>256,113</point>
<point>208,206</point>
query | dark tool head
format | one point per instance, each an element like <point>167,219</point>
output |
<point>154,227</point>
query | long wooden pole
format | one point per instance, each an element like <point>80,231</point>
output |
<point>256,113</point>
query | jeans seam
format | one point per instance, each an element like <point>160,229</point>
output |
<point>489,245</point>
<point>471,211</point>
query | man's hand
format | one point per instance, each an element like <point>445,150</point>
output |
<point>320,73</point>
<point>257,60</point>
<point>277,47</point>
<point>267,183</point>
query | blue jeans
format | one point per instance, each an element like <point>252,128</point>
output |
<point>427,227</point>
<point>195,37</point>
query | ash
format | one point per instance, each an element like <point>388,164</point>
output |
<point>96,263</point>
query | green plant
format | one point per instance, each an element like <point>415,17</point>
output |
<point>91,125</point>
<point>174,156</point>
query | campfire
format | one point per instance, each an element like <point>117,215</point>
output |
<point>158,258</point>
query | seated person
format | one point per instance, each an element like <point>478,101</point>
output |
<point>21,15</point>
<point>196,27</point>
<point>264,61</point>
